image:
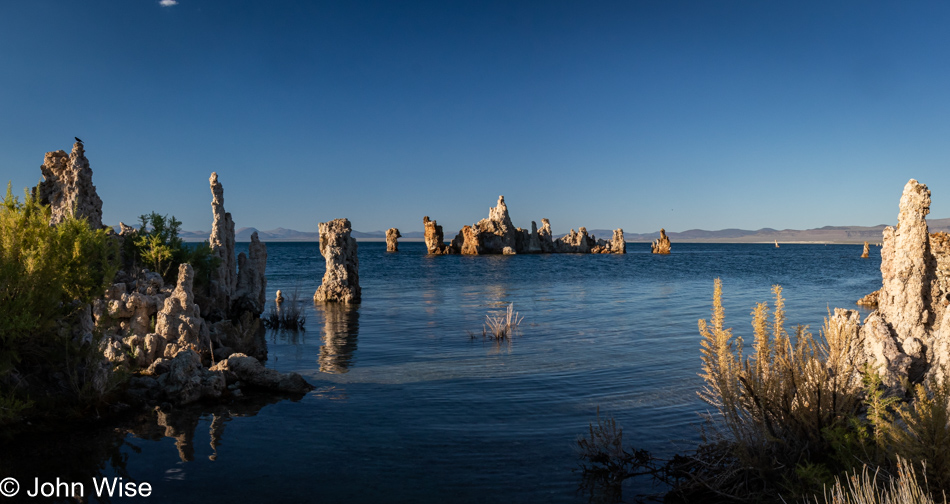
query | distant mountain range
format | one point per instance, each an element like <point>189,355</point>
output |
<point>827,234</point>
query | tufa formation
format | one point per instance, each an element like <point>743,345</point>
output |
<point>341,282</point>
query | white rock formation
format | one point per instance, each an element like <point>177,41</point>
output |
<point>341,282</point>
<point>67,187</point>
<point>179,321</point>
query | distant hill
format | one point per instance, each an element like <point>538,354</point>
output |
<point>827,234</point>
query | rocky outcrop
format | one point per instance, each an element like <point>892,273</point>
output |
<point>574,242</point>
<point>867,251</point>
<point>435,239</point>
<point>546,237</point>
<point>248,371</point>
<point>909,334</point>
<point>531,240</point>
<point>496,234</point>
<point>341,282</point>
<point>251,290</point>
<point>908,268</point>
<point>223,279</point>
<point>616,245</point>
<point>67,187</point>
<point>392,240</point>
<point>187,381</point>
<point>467,242</point>
<point>662,244</point>
<point>870,300</point>
<point>179,322</point>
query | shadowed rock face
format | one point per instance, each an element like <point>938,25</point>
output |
<point>179,321</point>
<point>392,240</point>
<point>223,279</point>
<point>67,187</point>
<point>250,292</point>
<point>662,244</point>
<point>341,282</point>
<point>546,237</point>
<point>435,239</point>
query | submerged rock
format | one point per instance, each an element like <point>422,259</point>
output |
<point>870,300</point>
<point>392,240</point>
<point>250,371</point>
<point>67,187</point>
<point>341,282</point>
<point>662,244</point>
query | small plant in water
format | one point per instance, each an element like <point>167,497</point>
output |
<point>286,315</point>
<point>501,327</point>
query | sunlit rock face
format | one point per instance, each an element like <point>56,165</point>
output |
<point>341,282</point>
<point>575,242</point>
<point>616,244</point>
<point>662,244</point>
<point>909,334</point>
<point>67,187</point>
<point>223,278</point>
<point>434,238</point>
<point>392,240</point>
<point>909,269</point>
<point>496,234</point>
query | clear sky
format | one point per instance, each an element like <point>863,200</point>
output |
<point>633,114</point>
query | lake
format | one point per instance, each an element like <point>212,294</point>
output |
<point>411,405</point>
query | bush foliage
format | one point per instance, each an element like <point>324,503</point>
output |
<point>799,411</point>
<point>48,275</point>
<point>157,246</point>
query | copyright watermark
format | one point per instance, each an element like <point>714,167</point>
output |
<point>101,487</point>
<point>9,487</point>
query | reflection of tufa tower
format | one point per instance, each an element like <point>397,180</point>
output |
<point>340,328</point>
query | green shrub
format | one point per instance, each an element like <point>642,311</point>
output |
<point>48,275</point>
<point>157,246</point>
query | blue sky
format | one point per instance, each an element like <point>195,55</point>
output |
<point>627,114</point>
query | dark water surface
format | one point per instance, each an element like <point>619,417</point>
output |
<point>410,408</point>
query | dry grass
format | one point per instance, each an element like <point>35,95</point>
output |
<point>501,327</point>
<point>863,488</point>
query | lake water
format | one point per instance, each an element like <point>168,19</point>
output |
<point>410,408</point>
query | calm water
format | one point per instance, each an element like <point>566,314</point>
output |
<point>410,408</point>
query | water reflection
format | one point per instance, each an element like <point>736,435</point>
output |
<point>341,323</point>
<point>78,454</point>
<point>181,424</point>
